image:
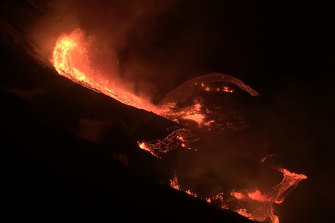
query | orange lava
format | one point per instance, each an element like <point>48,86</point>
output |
<point>237,195</point>
<point>174,183</point>
<point>145,147</point>
<point>262,202</point>
<point>70,58</point>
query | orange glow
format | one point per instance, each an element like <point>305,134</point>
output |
<point>144,147</point>
<point>70,59</point>
<point>288,183</point>
<point>266,157</point>
<point>258,196</point>
<point>191,193</point>
<point>227,89</point>
<point>217,89</point>
<point>237,195</point>
<point>180,138</point>
<point>243,212</point>
<point>262,202</point>
<point>266,200</point>
<point>63,66</point>
<point>177,139</point>
<point>174,183</point>
<point>198,118</point>
<point>208,123</point>
<point>195,114</point>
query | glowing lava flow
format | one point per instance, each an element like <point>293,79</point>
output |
<point>261,202</point>
<point>264,200</point>
<point>177,139</point>
<point>70,59</point>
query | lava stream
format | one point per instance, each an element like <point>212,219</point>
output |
<point>262,202</point>
<point>70,58</point>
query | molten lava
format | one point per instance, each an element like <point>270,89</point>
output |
<point>71,59</point>
<point>262,202</point>
<point>177,139</point>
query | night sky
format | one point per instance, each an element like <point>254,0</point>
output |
<point>69,150</point>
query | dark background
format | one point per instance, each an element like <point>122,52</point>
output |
<point>51,166</point>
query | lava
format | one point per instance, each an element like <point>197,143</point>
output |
<point>174,183</point>
<point>144,146</point>
<point>71,59</point>
<point>177,139</point>
<point>237,195</point>
<point>262,202</point>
